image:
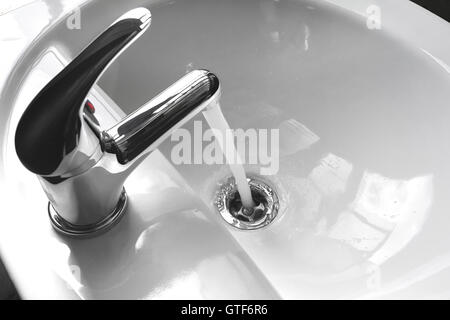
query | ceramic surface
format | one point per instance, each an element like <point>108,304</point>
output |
<point>359,91</point>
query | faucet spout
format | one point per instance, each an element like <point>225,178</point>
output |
<point>143,130</point>
<point>81,167</point>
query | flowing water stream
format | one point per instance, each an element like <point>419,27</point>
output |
<point>224,135</point>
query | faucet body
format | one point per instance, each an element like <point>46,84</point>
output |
<point>81,167</point>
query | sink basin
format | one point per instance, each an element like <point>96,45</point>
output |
<point>359,93</point>
<point>166,247</point>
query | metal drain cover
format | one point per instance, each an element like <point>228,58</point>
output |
<point>228,203</point>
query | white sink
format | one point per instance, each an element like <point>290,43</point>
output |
<point>359,90</point>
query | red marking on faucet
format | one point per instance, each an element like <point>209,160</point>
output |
<point>90,106</point>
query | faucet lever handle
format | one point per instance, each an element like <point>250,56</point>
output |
<point>51,128</point>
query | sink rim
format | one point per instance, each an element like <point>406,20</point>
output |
<point>423,19</point>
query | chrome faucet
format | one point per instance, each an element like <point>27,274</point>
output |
<point>81,167</point>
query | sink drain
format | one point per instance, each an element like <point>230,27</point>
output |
<point>228,203</point>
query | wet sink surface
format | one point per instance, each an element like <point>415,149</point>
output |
<point>363,118</point>
<point>167,246</point>
<point>363,179</point>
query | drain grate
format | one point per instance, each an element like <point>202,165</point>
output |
<point>228,203</point>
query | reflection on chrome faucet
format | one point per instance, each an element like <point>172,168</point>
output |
<point>82,168</point>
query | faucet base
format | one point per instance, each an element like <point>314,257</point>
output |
<point>91,230</point>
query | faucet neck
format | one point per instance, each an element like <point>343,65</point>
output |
<point>143,130</point>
